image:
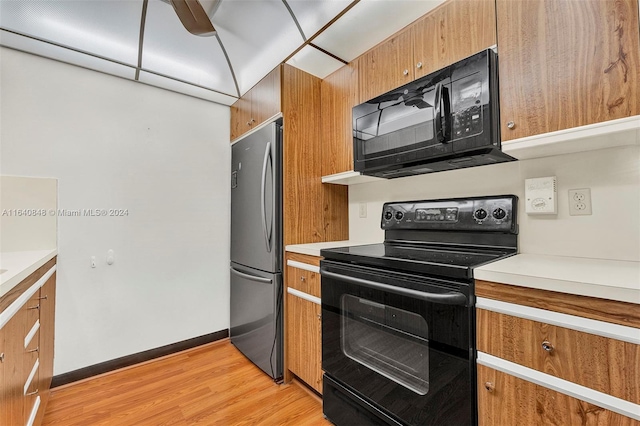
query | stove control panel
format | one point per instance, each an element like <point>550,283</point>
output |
<point>492,214</point>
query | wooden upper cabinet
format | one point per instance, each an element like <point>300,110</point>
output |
<point>386,66</point>
<point>265,97</point>
<point>455,30</point>
<point>261,102</point>
<point>241,116</point>
<point>565,64</point>
<point>303,220</point>
<point>339,96</point>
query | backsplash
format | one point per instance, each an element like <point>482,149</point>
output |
<point>611,232</point>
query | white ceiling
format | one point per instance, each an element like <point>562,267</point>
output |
<point>144,40</point>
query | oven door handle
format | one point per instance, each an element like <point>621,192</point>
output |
<point>451,298</point>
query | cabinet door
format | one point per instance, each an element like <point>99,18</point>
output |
<point>241,116</point>
<point>339,96</point>
<point>505,400</point>
<point>302,158</point>
<point>386,66</point>
<point>265,98</point>
<point>566,63</point>
<point>47,331</point>
<point>13,375</point>
<point>455,30</point>
<point>4,397</point>
<point>304,354</point>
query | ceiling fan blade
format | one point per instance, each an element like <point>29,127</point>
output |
<point>193,17</point>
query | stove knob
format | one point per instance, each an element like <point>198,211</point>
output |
<point>499,213</point>
<point>399,215</point>
<point>480,214</point>
<point>388,215</point>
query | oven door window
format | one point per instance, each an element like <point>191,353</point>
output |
<point>390,341</point>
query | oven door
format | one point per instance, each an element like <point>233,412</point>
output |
<point>403,343</point>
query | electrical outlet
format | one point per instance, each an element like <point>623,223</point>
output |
<point>580,202</point>
<point>363,210</point>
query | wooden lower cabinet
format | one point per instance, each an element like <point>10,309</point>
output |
<point>304,348</point>
<point>548,337</point>
<point>505,400</point>
<point>303,321</point>
<point>26,345</point>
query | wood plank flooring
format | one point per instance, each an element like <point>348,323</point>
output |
<point>210,385</point>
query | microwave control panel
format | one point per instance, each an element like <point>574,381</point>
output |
<point>494,214</point>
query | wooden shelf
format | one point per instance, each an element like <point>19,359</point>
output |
<point>608,134</point>
<point>349,178</point>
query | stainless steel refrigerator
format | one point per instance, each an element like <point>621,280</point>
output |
<point>256,248</point>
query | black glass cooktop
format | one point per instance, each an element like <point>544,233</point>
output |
<point>454,262</point>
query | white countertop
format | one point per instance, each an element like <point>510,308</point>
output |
<point>313,249</point>
<point>18,265</point>
<point>605,279</point>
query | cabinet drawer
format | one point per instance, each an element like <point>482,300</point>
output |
<point>303,280</point>
<point>607,365</point>
<point>505,400</point>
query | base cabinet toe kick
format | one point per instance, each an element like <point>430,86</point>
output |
<point>538,364</point>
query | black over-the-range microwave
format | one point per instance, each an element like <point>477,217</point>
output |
<point>446,120</point>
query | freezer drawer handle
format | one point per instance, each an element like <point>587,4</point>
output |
<point>451,298</point>
<point>267,232</point>
<point>251,277</point>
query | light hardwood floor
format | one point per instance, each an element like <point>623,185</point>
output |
<point>210,385</point>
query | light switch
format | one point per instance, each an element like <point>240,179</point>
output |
<point>363,210</point>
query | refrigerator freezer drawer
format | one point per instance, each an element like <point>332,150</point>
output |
<point>256,308</point>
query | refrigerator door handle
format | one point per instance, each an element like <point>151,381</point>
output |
<point>267,232</point>
<point>251,277</point>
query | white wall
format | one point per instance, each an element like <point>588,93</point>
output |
<point>612,232</point>
<point>113,143</point>
<point>35,228</point>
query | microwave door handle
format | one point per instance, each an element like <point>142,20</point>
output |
<point>263,208</point>
<point>451,298</point>
<point>437,118</point>
<point>442,115</point>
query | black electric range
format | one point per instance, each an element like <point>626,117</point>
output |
<point>398,319</point>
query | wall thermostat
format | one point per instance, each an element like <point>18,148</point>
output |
<point>540,195</point>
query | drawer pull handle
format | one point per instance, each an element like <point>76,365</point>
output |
<point>489,386</point>
<point>37,349</point>
<point>405,72</point>
<point>511,124</point>
<point>43,298</point>
<point>32,393</point>
<point>2,357</point>
<point>34,307</point>
<point>547,346</point>
<point>303,279</point>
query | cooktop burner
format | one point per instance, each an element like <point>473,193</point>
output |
<point>448,238</point>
